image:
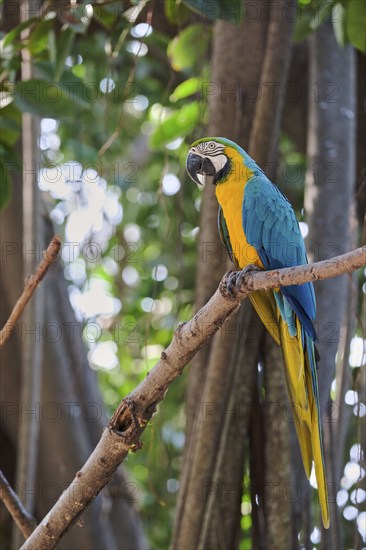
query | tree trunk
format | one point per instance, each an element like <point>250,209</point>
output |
<point>234,70</point>
<point>31,369</point>
<point>361,144</point>
<point>209,505</point>
<point>328,198</point>
<point>227,105</point>
<point>263,148</point>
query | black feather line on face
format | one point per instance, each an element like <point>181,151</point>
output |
<point>207,166</point>
<point>214,153</point>
<point>222,174</point>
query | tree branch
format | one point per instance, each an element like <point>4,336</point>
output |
<point>132,415</point>
<point>22,518</point>
<point>30,286</point>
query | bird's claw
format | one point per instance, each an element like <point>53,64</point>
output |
<point>230,286</point>
<point>234,280</point>
<point>251,268</point>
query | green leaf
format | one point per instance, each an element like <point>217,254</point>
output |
<point>356,23</point>
<point>339,21</point>
<point>311,17</point>
<point>10,157</point>
<point>52,46</point>
<point>190,44</point>
<point>105,16</point>
<point>175,12</point>
<point>63,50</point>
<point>170,7</point>
<point>38,40</point>
<point>5,185</point>
<point>44,99</point>
<point>10,36</point>
<point>79,70</point>
<point>178,124</point>
<point>71,85</point>
<point>9,132</point>
<point>10,124</point>
<point>187,88</point>
<point>229,11</point>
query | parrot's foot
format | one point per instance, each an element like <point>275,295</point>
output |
<point>233,280</point>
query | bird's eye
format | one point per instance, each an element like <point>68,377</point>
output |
<point>211,145</point>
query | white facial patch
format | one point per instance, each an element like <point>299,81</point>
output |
<point>201,178</point>
<point>219,162</point>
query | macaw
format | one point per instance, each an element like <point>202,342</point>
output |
<point>258,226</point>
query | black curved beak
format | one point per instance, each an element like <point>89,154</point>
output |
<point>199,168</point>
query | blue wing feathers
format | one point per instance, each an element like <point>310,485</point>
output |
<point>271,226</point>
<point>301,312</point>
<point>256,224</point>
<point>262,209</point>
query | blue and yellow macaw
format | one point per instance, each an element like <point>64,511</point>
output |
<point>258,226</point>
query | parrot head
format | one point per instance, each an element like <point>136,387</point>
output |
<point>214,158</point>
<point>208,160</point>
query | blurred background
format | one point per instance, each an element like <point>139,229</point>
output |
<point>99,103</point>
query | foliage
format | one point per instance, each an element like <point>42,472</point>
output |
<point>348,16</point>
<point>118,101</point>
<point>217,9</point>
<point>98,75</point>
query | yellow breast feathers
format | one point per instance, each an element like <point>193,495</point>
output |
<point>230,195</point>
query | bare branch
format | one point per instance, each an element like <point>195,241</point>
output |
<point>30,286</point>
<point>22,518</point>
<point>132,415</point>
<point>266,280</point>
